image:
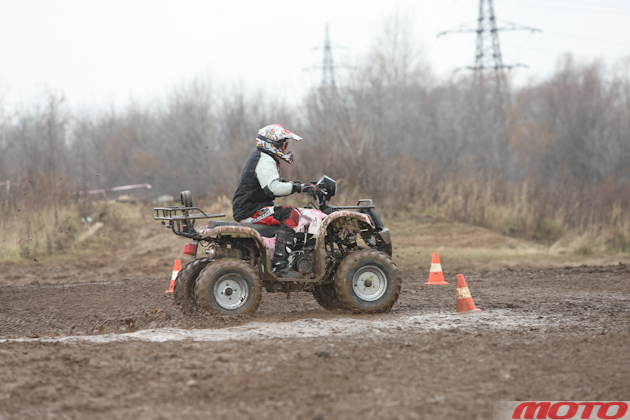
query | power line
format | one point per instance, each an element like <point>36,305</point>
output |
<point>570,7</point>
<point>519,47</point>
<point>581,38</point>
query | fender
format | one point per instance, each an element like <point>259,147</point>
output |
<point>240,232</point>
<point>320,250</point>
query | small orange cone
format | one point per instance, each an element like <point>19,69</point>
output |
<point>436,276</point>
<point>176,268</point>
<point>465,302</point>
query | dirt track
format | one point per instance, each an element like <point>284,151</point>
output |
<point>552,334</point>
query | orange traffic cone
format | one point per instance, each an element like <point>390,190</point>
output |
<point>436,276</point>
<point>465,302</point>
<point>176,267</point>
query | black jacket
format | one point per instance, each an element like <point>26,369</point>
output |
<point>249,196</point>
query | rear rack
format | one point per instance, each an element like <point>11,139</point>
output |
<point>182,224</point>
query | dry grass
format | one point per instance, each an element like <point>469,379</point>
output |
<point>597,215</point>
<point>36,234</point>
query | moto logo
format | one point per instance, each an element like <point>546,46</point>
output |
<point>570,410</point>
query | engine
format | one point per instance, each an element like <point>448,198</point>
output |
<point>303,261</point>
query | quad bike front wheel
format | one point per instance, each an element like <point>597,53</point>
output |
<point>228,286</point>
<point>367,281</point>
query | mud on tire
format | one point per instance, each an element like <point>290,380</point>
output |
<point>326,296</point>
<point>185,284</point>
<point>228,286</point>
<point>367,281</point>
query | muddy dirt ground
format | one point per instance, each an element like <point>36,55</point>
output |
<point>108,346</point>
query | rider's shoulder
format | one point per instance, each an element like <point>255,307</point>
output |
<point>265,159</point>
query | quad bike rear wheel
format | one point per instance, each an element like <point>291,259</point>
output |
<point>326,296</point>
<point>185,284</point>
<point>228,286</point>
<point>367,281</point>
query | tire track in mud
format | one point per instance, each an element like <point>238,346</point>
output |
<point>490,321</point>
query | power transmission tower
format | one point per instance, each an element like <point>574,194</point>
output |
<point>488,50</point>
<point>328,65</point>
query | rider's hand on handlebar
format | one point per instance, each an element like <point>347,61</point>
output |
<point>297,187</point>
<point>300,188</point>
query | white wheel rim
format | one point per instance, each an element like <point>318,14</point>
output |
<point>369,283</point>
<point>231,292</point>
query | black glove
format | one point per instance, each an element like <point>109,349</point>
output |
<point>300,188</point>
<point>297,187</point>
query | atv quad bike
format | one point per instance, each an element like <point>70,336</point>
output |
<point>237,265</point>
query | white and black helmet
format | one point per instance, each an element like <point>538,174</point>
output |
<point>274,139</point>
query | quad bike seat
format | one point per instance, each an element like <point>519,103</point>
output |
<point>264,230</point>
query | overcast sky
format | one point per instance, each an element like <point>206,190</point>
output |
<point>107,53</point>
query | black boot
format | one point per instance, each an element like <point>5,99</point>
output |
<point>280,260</point>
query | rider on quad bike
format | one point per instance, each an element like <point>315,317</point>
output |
<point>281,249</point>
<point>260,183</point>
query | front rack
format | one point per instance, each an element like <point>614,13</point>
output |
<point>182,224</point>
<point>367,208</point>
